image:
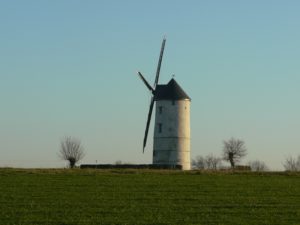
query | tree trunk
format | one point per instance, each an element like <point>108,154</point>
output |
<point>231,160</point>
<point>72,162</point>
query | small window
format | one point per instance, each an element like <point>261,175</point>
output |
<point>160,108</point>
<point>159,127</point>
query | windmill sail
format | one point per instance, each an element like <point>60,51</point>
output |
<point>145,82</point>
<point>159,62</point>
<point>148,122</point>
<point>152,89</point>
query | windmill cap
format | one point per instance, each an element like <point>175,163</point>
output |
<point>170,91</point>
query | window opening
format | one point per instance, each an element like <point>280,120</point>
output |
<point>159,127</point>
<point>160,108</point>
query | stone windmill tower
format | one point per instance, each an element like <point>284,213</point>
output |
<point>171,145</point>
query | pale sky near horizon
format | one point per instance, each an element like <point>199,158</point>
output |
<point>68,68</point>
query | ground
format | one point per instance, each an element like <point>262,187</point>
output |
<point>65,196</point>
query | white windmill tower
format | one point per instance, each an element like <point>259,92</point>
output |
<point>171,145</point>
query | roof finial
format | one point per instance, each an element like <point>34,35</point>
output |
<point>173,75</point>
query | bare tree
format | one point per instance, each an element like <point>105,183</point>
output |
<point>234,150</point>
<point>209,162</point>
<point>258,165</point>
<point>119,162</point>
<point>71,150</point>
<point>292,164</point>
<point>212,162</point>
<point>198,163</point>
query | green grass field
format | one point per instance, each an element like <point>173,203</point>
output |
<point>77,196</point>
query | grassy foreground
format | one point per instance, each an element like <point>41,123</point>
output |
<point>65,197</point>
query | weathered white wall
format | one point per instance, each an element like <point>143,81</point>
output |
<point>172,145</point>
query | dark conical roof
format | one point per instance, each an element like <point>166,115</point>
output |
<point>170,91</point>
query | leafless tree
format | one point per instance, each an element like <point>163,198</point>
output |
<point>71,150</point>
<point>234,150</point>
<point>198,163</point>
<point>119,162</point>
<point>258,165</point>
<point>209,162</point>
<point>292,164</point>
<point>212,162</point>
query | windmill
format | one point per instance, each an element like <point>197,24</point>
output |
<point>171,144</point>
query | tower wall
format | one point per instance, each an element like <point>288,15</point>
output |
<point>172,133</point>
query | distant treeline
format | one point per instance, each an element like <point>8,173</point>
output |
<point>129,166</point>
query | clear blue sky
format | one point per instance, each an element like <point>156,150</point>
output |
<point>69,68</point>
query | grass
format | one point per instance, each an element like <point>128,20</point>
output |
<point>65,197</point>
